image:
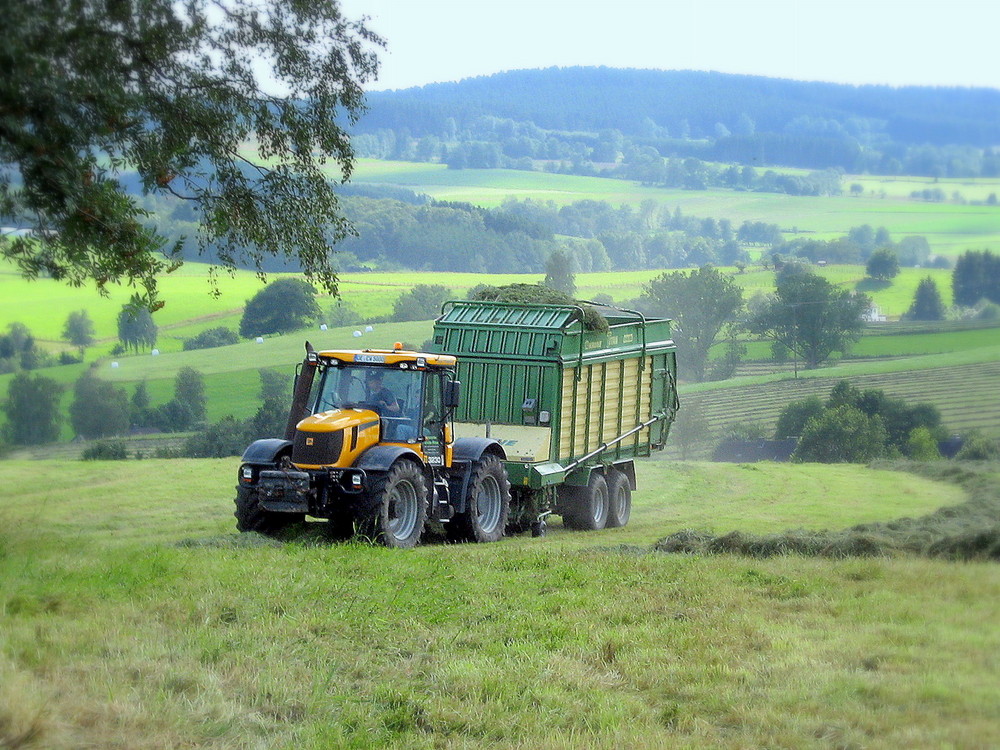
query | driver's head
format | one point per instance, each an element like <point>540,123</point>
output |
<point>374,381</point>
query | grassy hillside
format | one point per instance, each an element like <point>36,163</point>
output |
<point>146,621</point>
<point>950,227</point>
<point>45,304</point>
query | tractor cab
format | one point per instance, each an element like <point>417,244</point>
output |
<point>377,397</point>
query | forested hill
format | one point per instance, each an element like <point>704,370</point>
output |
<point>691,104</point>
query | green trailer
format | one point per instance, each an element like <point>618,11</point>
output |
<point>571,407</point>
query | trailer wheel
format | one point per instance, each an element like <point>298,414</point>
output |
<point>250,516</point>
<point>488,503</point>
<point>587,507</point>
<point>399,507</point>
<point>619,499</point>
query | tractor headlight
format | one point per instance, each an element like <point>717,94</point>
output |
<point>246,473</point>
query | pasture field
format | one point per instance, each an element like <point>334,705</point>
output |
<point>44,305</point>
<point>231,376</point>
<point>950,228</point>
<point>964,392</point>
<point>132,615</point>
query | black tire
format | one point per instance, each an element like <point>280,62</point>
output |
<point>250,516</point>
<point>619,499</point>
<point>488,505</point>
<point>586,508</point>
<point>398,507</point>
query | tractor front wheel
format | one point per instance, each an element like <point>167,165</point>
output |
<point>399,507</point>
<point>250,516</point>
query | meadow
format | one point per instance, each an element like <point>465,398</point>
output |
<point>133,615</point>
<point>232,381</point>
<point>950,227</point>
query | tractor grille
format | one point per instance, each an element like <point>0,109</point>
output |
<point>317,448</point>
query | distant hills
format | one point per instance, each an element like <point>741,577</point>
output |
<point>598,114</point>
<point>691,104</point>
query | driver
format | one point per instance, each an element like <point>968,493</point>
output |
<point>380,396</point>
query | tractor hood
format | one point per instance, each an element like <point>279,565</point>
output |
<point>334,438</point>
<point>337,419</point>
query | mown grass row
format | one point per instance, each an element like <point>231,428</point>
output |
<point>969,531</point>
<point>966,396</point>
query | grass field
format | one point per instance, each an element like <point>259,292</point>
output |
<point>960,382</point>
<point>44,305</point>
<point>951,228</point>
<point>146,621</point>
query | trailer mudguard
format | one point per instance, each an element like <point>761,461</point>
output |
<point>473,448</point>
<point>266,451</point>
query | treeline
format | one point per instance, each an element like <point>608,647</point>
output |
<point>522,235</point>
<point>413,232</point>
<point>517,118</point>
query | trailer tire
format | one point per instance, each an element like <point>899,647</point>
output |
<point>487,505</point>
<point>398,509</point>
<point>587,507</point>
<point>619,499</point>
<point>250,516</point>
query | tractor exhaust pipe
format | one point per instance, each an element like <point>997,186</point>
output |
<point>300,393</point>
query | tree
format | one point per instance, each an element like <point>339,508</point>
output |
<point>136,329</point>
<point>927,304</point>
<point>79,329</point>
<point>139,405</point>
<point>559,272</point>
<point>976,276</point>
<point>99,408</point>
<point>19,351</point>
<point>272,415</point>
<point>174,91</point>
<point>189,390</point>
<point>701,303</point>
<point>913,251</point>
<point>795,416</point>
<point>423,302</point>
<point>844,434</point>
<point>283,305</point>
<point>32,409</point>
<point>811,317</point>
<point>883,264</point>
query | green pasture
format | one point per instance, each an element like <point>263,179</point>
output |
<point>44,305</point>
<point>951,228</point>
<point>133,615</point>
<point>961,385</point>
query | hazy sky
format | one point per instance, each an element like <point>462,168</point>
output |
<point>943,43</point>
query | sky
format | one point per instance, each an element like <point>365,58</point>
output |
<point>943,43</point>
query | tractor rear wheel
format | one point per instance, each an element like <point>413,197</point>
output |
<point>487,506</point>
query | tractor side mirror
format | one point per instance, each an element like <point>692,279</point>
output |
<point>452,394</point>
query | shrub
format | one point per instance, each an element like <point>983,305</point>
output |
<point>921,445</point>
<point>106,450</point>
<point>213,337</point>
<point>978,447</point>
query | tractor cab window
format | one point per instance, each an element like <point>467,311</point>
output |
<point>392,393</point>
